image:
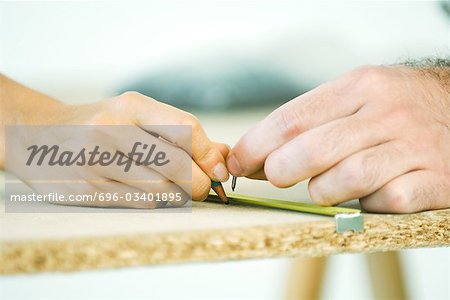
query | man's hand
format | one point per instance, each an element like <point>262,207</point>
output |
<point>380,134</point>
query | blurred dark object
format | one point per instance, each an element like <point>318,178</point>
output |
<point>216,88</point>
<point>446,7</point>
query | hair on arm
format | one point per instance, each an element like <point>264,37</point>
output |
<point>435,67</point>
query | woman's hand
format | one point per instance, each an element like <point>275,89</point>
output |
<point>205,158</point>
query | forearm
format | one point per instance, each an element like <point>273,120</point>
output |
<point>433,68</point>
<point>21,105</point>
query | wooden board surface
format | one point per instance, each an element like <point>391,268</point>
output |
<point>71,242</point>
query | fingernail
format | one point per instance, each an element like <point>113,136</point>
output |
<point>220,172</point>
<point>233,165</point>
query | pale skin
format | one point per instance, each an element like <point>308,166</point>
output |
<point>21,105</point>
<point>377,134</point>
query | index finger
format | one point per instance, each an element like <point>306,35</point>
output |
<point>327,102</point>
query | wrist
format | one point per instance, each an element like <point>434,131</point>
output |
<point>20,105</point>
<point>48,111</point>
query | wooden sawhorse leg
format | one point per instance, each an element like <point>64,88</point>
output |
<point>386,275</point>
<point>306,277</point>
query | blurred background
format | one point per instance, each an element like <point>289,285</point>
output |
<point>230,63</point>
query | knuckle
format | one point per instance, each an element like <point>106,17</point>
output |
<point>377,77</point>
<point>130,100</point>
<point>397,199</point>
<point>365,70</point>
<point>190,120</point>
<point>356,176</point>
<point>179,166</point>
<point>399,114</point>
<point>207,156</point>
<point>361,70</point>
<point>289,123</point>
<point>352,179</point>
<point>130,96</point>
<point>100,118</point>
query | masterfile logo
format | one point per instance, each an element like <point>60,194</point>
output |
<point>107,166</point>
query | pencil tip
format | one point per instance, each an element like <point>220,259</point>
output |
<point>224,198</point>
<point>218,188</point>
